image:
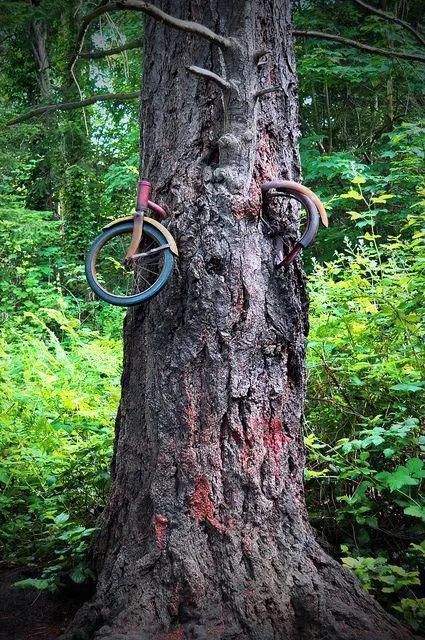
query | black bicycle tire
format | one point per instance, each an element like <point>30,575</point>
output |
<point>154,289</point>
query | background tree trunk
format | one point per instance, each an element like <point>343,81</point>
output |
<point>205,534</point>
<point>38,39</point>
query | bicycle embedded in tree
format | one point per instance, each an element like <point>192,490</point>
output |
<point>132,259</point>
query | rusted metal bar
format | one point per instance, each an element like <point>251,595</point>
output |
<point>313,206</point>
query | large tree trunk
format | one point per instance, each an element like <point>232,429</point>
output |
<point>205,534</point>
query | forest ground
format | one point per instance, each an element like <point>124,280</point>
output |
<point>28,614</point>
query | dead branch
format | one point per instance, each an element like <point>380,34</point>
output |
<point>263,92</point>
<point>260,53</point>
<point>137,43</point>
<point>177,23</point>
<point>68,106</point>
<point>210,75</point>
<point>392,18</point>
<point>388,53</point>
<point>154,12</point>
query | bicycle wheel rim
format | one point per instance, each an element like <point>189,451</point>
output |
<point>142,282</point>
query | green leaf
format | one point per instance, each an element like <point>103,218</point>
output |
<point>416,511</point>
<point>397,479</point>
<point>388,453</point>
<point>355,195</point>
<point>34,583</point>
<point>78,574</point>
<point>372,522</point>
<point>382,199</point>
<point>416,467</point>
<point>407,386</point>
<point>355,215</point>
<point>351,563</point>
<point>62,518</point>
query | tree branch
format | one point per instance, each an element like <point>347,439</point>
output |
<point>68,106</point>
<point>263,92</point>
<point>137,43</point>
<point>210,75</point>
<point>177,23</point>
<point>391,18</point>
<point>388,53</point>
<point>154,12</point>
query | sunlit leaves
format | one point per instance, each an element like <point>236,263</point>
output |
<point>59,390</point>
<point>365,399</point>
<point>354,195</point>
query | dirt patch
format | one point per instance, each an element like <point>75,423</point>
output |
<point>27,614</point>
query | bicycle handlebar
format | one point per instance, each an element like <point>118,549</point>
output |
<point>143,203</point>
<point>143,192</point>
<point>311,203</point>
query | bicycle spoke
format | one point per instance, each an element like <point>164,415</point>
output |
<point>150,271</point>
<point>124,280</point>
<point>149,247</point>
<point>147,281</point>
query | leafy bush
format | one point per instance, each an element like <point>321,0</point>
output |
<point>59,387</point>
<point>365,400</point>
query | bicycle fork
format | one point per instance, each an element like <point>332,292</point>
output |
<point>143,193</point>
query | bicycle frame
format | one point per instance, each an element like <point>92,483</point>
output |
<point>143,203</point>
<point>306,197</point>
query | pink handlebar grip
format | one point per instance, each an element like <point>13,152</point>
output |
<point>143,193</point>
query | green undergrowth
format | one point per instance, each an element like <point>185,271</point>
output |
<point>60,359</point>
<point>364,430</point>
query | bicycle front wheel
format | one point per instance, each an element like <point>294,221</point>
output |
<point>142,278</point>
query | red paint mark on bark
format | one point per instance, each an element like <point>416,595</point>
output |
<point>231,523</point>
<point>247,205</point>
<point>161,526</point>
<point>266,167</point>
<point>275,438</point>
<point>237,437</point>
<point>267,430</point>
<point>201,506</point>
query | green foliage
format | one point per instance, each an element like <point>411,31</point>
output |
<point>412,612</point>
<point>365,401</point>
<point>31,258</point>
<point>377,575</point>
<point>384,579</point>
<point>60,350</point>
<point>69,543</point>
<point>59,386</point>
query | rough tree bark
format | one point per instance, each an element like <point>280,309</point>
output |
<point>205,534</point>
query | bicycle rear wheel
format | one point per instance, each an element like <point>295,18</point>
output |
<point>124,284</point>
